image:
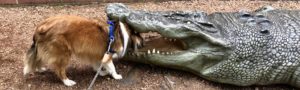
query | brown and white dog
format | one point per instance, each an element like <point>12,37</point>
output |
<point>57,38</point>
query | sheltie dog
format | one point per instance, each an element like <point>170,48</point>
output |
<point>57,38</point>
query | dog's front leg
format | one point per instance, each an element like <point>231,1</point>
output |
<point>101,72</point>
<point>110,67</point>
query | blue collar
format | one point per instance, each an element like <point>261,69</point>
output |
<point>111,29</point>
<point>111,36</point>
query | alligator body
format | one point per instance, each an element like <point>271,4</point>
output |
<point>239,48</point>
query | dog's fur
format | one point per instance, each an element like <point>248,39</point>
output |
<point>57,38</point>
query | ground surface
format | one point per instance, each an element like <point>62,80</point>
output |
<point>17,25</point>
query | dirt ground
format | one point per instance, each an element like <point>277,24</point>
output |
<point>18,23</point>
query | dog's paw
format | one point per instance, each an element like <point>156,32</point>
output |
<point>117,76</point>
<point>69,82</point>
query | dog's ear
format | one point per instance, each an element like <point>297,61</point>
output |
<point>125,37</point>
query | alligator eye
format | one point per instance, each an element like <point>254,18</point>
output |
<point>209,25</point>
<point>264,31</point>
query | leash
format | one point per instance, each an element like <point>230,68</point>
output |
<point>95,77</point>
<point>109,51</point>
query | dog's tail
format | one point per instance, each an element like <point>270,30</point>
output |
<point>30,59</point>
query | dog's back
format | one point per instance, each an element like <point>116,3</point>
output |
<point>83,37</point>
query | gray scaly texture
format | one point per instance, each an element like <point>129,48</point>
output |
<point>240,48</point>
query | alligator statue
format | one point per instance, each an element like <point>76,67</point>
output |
<point>242,48</point>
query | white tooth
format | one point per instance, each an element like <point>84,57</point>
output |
<point>157,52</point>
<point>153,51</point>
<point>162,53</point>
<point>171,53</point>
<point>188,22</point>
<point>149,52</point>
<point>167,53</point>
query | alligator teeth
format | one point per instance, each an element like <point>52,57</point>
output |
<point>188,22</point>
<point>153,51</point>
<point>162,53</point>
<point>167,53</point>
<point>157,52</point>
<point>149,52</point>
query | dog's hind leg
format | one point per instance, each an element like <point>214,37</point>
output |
<point>60,55</point>
<point>60,66</point>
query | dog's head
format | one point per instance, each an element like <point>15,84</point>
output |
<point>125,39</point>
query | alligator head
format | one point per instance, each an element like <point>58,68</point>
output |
<point>174,39</point>
<point>237,48</point>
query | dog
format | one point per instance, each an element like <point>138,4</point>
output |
<point>57,38</point>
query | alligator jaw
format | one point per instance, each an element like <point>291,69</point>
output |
<point>155,44</point>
